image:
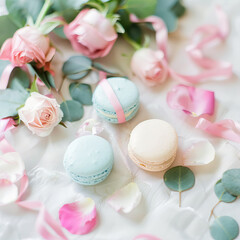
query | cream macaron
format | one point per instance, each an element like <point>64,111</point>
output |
<point>153,145</point>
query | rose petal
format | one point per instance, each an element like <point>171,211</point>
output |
<point>90,127</point>
<point>191,100</point>
<point>79,217</point>
<point>200,152</point>
<point>11,166</point>
<point>226,128</point>
<point>125,199</point>
<point>5,124</point>
<point>8,192</point>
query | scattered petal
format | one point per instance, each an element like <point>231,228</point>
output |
<point>227,128</point>
<point>191,100</point>
<point>8,192</point>
<point>200,152</point>
<point>5,124</point>
<point>79,217</point>
<point>11,167</point>
<point>90,127</point>
<point>125,199</point>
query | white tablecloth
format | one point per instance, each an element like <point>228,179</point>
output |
<point>158,213</point>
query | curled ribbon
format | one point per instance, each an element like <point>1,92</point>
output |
<point>146,237</point>
<point>112,97</point>
<point>202,37</point>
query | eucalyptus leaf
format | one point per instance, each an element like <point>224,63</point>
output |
<point>19,80</point>
<point>10,101</point>
<point>100,67</point>
<point>224,228</point>
<point>20,10</point>
<point>179,178</point>
<point>72,111</point>
<point>59,32</point>
<point>222,194</point>
<point>231,181</point>
<point>141,8</point>
<point>7,28</point>
<point>77,67</point>
<point>81,92</point>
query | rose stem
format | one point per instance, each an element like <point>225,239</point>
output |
<point>43,12</point>
<point>212,211</point>
<point>180,199</point>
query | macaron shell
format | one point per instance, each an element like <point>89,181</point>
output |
<point>89,159</point>
<point>154,141</point>
<point>149,166</point>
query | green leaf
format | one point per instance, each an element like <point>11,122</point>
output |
<point>178,9</point>
<point>45,76</point>
<point>77,67</point>
<point>19,80</point>
<point>231,181</point>
<point>48,27</point>
<point>59,32</point>
<point>222,194</point>
<point>72,111</point>
<point>7,28</point>
<point>20,10</point>
<point>141,8</point>
<point>81,92</point>
<point>179,178</point>
<point>10,101</point>
<point>62,5</point>
<point>135,33</point>
<point>100,67</point>
<point>224,228</point>
<point>34,87</point>
<point>124,18</point>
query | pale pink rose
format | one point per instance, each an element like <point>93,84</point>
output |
<point>91,34</point>
<point>149,66</point>
<point>40,114</point>
<point>28,45</point>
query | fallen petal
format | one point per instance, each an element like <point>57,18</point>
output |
<point>191,100</point>
<point>8,192</point>
<point>79,217</point>
<point>125,199</point>
<point>90,127</point>
<point>227,128</point>
<point>200,152</point>
<point>11,167</point>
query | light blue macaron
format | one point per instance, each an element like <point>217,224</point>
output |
<point>89,159</point>
<point>127,94</point>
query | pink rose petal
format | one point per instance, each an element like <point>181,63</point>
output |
<point>8,192</point>
<point>125,199</point>
<point>79,217</point>
<point>191,100</point>
<point>11,167</point>
<point>227,128</point>
<point>198,152</point>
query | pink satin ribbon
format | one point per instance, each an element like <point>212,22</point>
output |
<point>208,34</point>
<point>6,75</point>
<point>226,128</point>
<point>112,97</point>
<point>5,125</point>
<point>146,237</point>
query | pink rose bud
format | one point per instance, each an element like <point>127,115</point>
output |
<point>149,66</point>
<point>27,45</point>
<point>40,114</point>
<point>91,34</point>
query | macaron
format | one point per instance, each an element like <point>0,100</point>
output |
<point>153,145</point>
<point>124,91</point>
<point>89,159</point>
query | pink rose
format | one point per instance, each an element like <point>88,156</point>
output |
<point>149,66</point>
<point>40,114</point>
<point>28,45</point>
<point>91,34</point>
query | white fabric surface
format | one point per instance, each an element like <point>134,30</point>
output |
<point>158,213</point>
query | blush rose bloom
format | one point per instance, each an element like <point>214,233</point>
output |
<point>149,66</point>
<point>91,34</point>
<point>28,45</point>
<point>40,114</point>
